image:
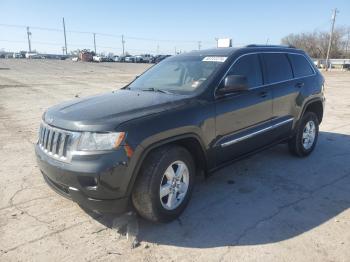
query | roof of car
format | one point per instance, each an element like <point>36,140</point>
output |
<point>227,51</point>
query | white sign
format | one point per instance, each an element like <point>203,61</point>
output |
<point>224,42</point>
<point>220,59</point>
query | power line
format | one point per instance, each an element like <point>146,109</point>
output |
<point>105,34</point>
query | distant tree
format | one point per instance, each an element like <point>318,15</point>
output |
<point>316,43</point>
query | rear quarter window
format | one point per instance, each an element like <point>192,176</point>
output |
<point>301,66</point>
<point>277,67</point>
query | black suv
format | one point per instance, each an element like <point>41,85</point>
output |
<point>142,146</point>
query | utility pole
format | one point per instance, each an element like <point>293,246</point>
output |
<point>95,43</point>
<point>330,37</point>
<point>65,38</point>
<point>199,45</point>
<point>28,36</point>
<point>123,45</point>
<point>157,49</point>
<point>175,51</point>
<point>347,43</point>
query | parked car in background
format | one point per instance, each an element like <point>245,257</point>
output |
<point>33,56</point>
<point>75,59</point>
<point>122,58</point>
<point>107,59</point>
<point>159,58</point>
<point>116,58</point>
<point>97,58</point>
<point>144,144</point>
<point>17,55</point>
<point>147,58</point>
<point>129,59</point>
<point>138,59</point>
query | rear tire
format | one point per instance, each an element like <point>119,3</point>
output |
<point>305,138</point>
<point>164,185</point>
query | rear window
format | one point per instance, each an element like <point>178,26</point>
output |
<point>301,66</point>
<point>278,67</point>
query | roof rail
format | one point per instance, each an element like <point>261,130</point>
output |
<point>283,46</point>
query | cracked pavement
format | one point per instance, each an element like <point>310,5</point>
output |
<point>269,207</point>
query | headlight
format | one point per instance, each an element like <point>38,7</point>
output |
<point>100,141</point>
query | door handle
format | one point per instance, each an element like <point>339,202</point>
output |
<point>263,94</point>
<point>299,85</point>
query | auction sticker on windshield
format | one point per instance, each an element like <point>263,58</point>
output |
<point>220,59</point>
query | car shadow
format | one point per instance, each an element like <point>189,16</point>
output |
<point>269,197</point>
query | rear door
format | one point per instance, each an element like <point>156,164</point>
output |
<point>242,118</point>
<point>279,77</point>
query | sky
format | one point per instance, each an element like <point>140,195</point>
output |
<point>160,26</point>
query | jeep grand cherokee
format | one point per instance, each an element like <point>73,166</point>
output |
<point>141,146</point>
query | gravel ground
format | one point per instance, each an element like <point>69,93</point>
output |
<point>269,207</point>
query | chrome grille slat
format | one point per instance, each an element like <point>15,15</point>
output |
<point>43,138</point>
<point>47,138</point>
<point>42,134</point>
<point>56,142</point>
<point>63,140</point>
<point>49,141</point>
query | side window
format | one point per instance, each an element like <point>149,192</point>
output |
<point>277,67</point>
<point>301,66</point>
<point>249,67</point>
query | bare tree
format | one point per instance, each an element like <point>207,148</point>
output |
<point>316,43</point>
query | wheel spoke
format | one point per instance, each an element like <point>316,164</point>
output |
<point>305,135</point>
<point>164,190</point>
<point>180,171</point>
<point>182,187</point>
<point>171,200</point>
<point>169,173</point>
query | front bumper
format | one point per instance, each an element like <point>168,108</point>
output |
<point>96,182</point>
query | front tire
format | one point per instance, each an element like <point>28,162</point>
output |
<point>164,185</point>
<point>305,138</point>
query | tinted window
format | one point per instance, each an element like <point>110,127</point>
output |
<point>301,66</point>
<point>249,67</point>
<point>278,67</point>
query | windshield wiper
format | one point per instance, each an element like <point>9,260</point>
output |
<point>152,89</point>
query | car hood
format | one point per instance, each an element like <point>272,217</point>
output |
<point>105,112</point>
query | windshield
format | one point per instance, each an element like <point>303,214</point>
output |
<point>182,74</point>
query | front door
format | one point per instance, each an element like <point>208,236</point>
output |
<point>243,119</point>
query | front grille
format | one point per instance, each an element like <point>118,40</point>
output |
<point>55,142</point>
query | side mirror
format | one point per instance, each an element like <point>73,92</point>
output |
<point>234,83</point>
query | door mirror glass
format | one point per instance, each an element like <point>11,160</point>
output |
<point>234,83</point>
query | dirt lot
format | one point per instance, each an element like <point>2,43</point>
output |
<point>269,207</point>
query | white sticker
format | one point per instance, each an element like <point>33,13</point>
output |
<point>220,59</point>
